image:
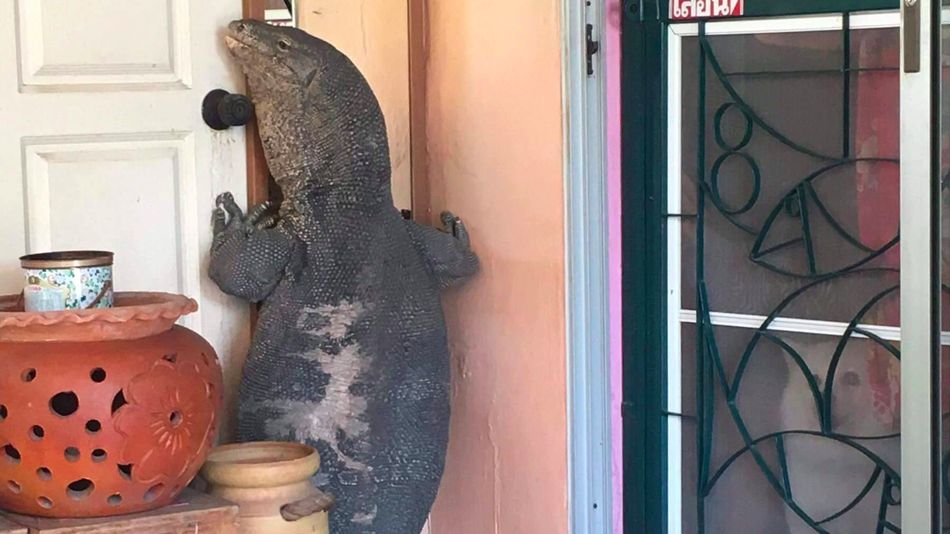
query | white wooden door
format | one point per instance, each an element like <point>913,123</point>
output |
<point>102,145</point>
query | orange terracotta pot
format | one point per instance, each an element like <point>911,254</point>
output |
<point>103,412</point>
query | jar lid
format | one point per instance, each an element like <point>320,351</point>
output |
<point>67,259</point>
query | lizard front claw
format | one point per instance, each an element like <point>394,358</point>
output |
<point>268,222</point>
<point>262,217</point>
<point>257,212</point>
<point>455,226</point>
<point>219,221</point>
<point>448,221</point>
<point>228,216</point>
<point>226,201</point>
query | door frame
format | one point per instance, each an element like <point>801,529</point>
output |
<point>921,296</point>
<point>584,116</point>
<point>258,174</point>
<point>644,124</point>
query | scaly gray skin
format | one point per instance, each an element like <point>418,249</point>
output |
<point>350,353</point>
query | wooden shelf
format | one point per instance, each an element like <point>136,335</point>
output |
<point>194,512</point>
<point>6,527</point>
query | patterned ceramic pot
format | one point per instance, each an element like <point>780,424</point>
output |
<point>106,411</point>
<point>67,280</point>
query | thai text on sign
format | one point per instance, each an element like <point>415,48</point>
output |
<point>698,9</point>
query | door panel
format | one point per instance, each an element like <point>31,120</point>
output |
<point>784,332</point>
<point>64,177</point>
<point>103,145</point>
<point>148,46</point>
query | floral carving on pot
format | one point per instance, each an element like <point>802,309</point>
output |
<point>171,404</point>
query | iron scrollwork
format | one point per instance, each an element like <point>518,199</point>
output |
<point>812,274</point>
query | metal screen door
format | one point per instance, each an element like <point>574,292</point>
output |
<point>803,267</point>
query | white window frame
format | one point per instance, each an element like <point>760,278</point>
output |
<point>586,240</point>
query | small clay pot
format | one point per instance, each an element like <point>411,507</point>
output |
<point>106,411</point>
<point>270,483</point>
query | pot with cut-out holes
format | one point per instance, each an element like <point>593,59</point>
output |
<point>103,411</point>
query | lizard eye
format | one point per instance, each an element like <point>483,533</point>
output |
<point>283,45</point>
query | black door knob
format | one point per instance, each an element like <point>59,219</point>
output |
<point>221,109</point>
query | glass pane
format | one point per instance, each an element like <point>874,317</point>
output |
<point>805,203</point>
<point>789,211</point>
<point>794,440</point>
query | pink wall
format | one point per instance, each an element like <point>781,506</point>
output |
<point>495,158</point>
<point>612,49</point>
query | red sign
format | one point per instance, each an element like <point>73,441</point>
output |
<point>702,9</point>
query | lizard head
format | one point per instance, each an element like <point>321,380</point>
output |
<point>319,121</point>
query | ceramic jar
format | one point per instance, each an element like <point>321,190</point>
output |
<point>67,280</point>
<point>270,483</point>
<point>105,411</point>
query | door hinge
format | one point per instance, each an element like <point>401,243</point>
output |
<point>592,48</point>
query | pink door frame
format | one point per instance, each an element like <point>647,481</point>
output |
<point>612,51</point>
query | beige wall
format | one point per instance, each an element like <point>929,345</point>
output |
<point>375,36</point>
<point>495,158</point>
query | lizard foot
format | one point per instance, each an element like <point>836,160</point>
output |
<point>249,257</point>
